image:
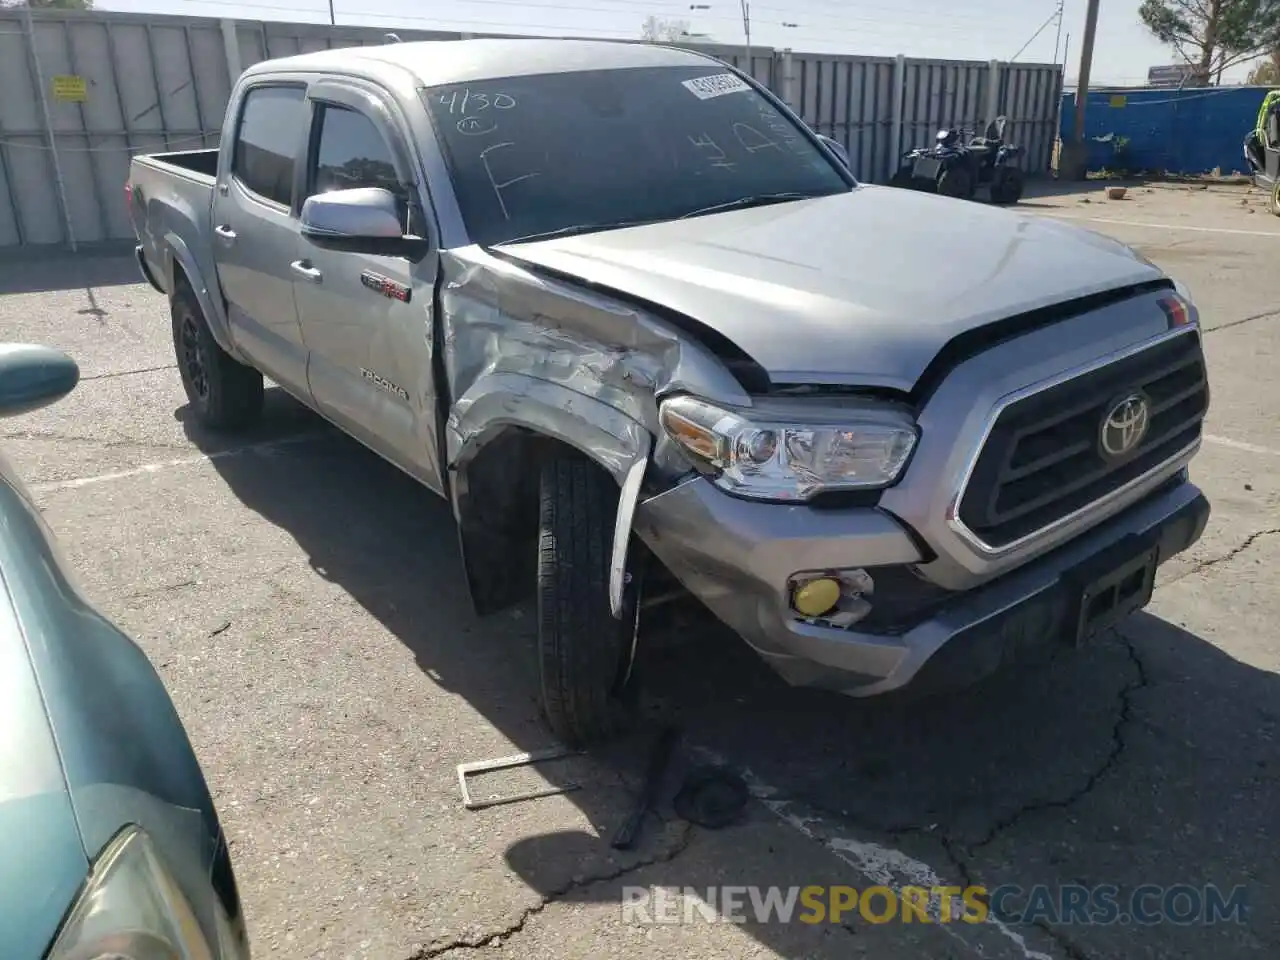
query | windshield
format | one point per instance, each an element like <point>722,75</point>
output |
<point>549,153</point>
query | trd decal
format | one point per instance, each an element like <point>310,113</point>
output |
<point>385,286</point>
<point>385,384</point>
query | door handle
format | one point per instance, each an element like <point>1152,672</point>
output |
<point>304,269</point>
<point>225,233</point>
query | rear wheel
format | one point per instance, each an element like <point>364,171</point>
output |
<point>956,182</point>
<point>902,179</point>
<point>1006,185</point>
<point>223,393</point>
<point>584,652</point>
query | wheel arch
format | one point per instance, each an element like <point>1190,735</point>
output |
<point>522,420</point>
<point>180,262</point>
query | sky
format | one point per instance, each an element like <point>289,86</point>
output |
<point>978,30</point>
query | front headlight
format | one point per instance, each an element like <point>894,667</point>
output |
<point>792,450</point>
<point>131,909</point>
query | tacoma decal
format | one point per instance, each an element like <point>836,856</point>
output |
<point>385,384</point>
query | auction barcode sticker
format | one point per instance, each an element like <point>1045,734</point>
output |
<point>716,85</point>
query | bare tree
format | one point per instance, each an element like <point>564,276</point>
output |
<point>658,30</point>
<point>1213,35</point>
<point>1267,73</point>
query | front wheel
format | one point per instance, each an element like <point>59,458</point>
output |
<point>1006,186</point>
<point>902,179</point>
<point>956,182</point>
<point>1273,200</point>
<point>584,652</point>
<point>223,393</point>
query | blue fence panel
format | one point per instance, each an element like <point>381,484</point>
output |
<point>1178,131</point>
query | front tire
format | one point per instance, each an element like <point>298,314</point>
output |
<point>903,180</point>
<point>584,652</point>
<point>1006,186</point>
<point>223,393</point>
<point>956,183</point>
<point>1273,200</point>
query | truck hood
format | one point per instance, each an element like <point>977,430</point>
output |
<point>861,288</point>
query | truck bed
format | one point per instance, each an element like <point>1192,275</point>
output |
<point>201,162</point>
<point>170,199</point>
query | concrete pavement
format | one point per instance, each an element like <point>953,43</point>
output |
<point>304,604</point>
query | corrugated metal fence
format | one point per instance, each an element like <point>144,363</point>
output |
<point>116,84</point>
<point>1190,131</point>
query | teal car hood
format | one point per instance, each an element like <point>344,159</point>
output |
<point>89,743</point>
<point>42,858</point>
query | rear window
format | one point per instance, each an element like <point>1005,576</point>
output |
<point>267,141</point>
<point>535,154</point>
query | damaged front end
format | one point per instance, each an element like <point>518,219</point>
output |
<point>534,362</point>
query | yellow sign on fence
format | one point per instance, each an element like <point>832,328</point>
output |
<point>1119,101</point>
<point>70,88</point>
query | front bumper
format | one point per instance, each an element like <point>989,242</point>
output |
<point>736,556</point>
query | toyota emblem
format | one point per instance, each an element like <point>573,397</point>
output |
<point>1125,426</point>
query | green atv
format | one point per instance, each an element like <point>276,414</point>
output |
<point>1262,150</point>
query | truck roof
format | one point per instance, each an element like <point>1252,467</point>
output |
<point>459,61</point>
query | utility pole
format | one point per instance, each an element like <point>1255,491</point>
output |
<point>1057,112</point>
<point>746,28</point>
<point>332,19</point>
<point>1074,162</point>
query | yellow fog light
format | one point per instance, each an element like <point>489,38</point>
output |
<point>816,597</point>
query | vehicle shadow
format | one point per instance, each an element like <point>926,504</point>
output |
<point>60,270</point>
<point>1148,758</point>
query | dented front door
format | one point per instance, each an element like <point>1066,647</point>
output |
<point>367,318</point>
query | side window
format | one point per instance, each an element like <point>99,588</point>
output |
<point>267,140</point>
<point>350,153</point>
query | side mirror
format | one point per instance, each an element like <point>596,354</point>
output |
<point>32,377</point>
<point>362,220</point>
<point>836,147</point>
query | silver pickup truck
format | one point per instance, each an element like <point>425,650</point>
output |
<point>636,321</point>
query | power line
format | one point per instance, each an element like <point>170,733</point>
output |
<point>681,10</point>
<point>678,9</point>
<point>18,141</point>
<point>1056,15</point>
<point>443,23</point>
<point>895,12</point>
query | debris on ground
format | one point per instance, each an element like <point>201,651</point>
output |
<point>466,770</point>
<point>712,796</point>
<point>663,749</point>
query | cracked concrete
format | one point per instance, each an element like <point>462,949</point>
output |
<point>684,836</point>
<point>1266,315</point>
<point>58,436</point>
<point>1112,758</point>
<point>129,373</point>
<point>331,712</point>
<point>1199,566</point>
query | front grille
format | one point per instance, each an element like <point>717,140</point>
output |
<point>1043,458</point>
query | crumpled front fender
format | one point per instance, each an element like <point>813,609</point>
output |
<point>527,353</point>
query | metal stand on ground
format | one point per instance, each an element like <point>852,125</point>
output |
<point>466,770</point>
